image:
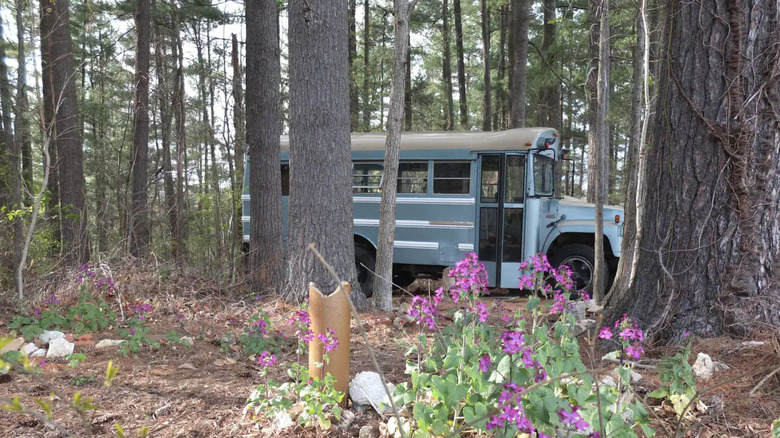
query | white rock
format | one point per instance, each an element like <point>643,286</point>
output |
<point>48,335</point>
<point>704,367</point>
<point>187,340</point>
<point>366,389</point>
<point>29,349</point>
<point>578,310</point>
<point>38,353</point>
<point>584,325</point>
<point>591,306</point>
<point>106,343</point>
<point>59,347</point>
<point>282,420</point>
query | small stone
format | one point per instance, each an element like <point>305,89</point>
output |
<point>187,340</point>
<point>13,345</point>
<point>584,325</point>
<point>106,343</point>
<point>347,418</point>
<point>366,389</point>
<point>368,432</point>
<point>592,307</point>
<point>704,367</point>
<point>402,321</point>
<point>38,353</point>
<point>29,349</point>
<point>578,310</point>
<point>282,420</point>
<point>48,335</point>
<point>59,347</point>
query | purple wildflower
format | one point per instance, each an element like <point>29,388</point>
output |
<point>471,278</point>
<point>423,311</point>
<point>573,418</point>
<point>513,341</point>
<point>511,410</point>
<point>484,363</point>
<point>480,310</point>
<point>560,303</point>
<point>266,359</point>
<point>328,340</point>
<point>605,333</point>
<point>635,351</point>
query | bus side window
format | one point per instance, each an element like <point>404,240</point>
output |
<point>451,177</point>
<point>285,180</point>
<point>367,177</point>
<point>413,177</point>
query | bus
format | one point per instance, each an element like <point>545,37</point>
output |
<point>492,193</point>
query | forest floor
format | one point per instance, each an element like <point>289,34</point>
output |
<point>201,390</point>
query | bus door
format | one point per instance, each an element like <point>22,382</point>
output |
<point>500,203</point>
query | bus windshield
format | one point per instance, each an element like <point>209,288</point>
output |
<point>544,168</point>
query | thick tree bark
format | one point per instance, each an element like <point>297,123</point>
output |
<point>709,245</point>
<point>500,115</point>
<point>263,70</point>
<point>320,209</point>
<point>462,99</point>
<point>21,125</point>
<point>138,222</point>
<point>518,47</point>
<point>10,174</point>
<point>383,289</point>
<point>449,124</point>
<point>487,103</point>
<point>55,25</point>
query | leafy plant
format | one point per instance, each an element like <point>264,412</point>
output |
<point>82,380</point>
<point>679,381</point>
<point>75,359</point>
<point>88,316</point>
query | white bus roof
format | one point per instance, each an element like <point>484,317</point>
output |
<point>510,139</point>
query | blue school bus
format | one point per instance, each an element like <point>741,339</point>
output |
<point>459,192</point>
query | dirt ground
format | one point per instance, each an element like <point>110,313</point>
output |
<point>195,391</point>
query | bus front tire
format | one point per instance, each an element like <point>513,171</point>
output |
<point>581,259</point>
<point>365,264</point>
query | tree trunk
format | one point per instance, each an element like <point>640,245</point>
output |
<point>179,231</point>
<point>239,126</point>
<point>21,125</point>
<point>487,106</point>
<point>518,47</point>
<point>366,75</point>
<point>49,125</point>
<point>55,25</point>
<point>354,110</point>
<point>263,70</point>
<point>166,117</point>
<point>407,91</point>
<point>10,174</point>
<point>591,91</point>
<point>447,67</point>
<point>383,289</point>
<point>138,222</point>
<point>500,113</point>
<point>462,101</point>
<point>711,215</point>
<point>602,147</point>
<point>320,209</point>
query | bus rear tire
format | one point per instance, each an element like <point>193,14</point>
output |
<point>403,279</point>
<point>365,264</point>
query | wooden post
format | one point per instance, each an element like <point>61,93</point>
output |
<point>330,312</point>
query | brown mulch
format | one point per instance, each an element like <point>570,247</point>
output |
<point>152,390</point>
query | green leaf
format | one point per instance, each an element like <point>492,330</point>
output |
<point>440,427</point>
<point>476,416</point>
<point>776,428</point>
<point>45,406</point>
<point>533,303</point>
<point>120,433</point>
<point>659,393</point>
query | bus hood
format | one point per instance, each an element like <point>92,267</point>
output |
<point>578,210</point>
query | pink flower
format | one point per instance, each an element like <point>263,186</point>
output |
<point>484,363</point>
<point>266,359</point>
<point>605,333</point>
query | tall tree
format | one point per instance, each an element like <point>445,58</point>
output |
<point>603,134</point>
<point>366,64</point>
<point>462,95</point>
<point>263,70</point>
<point>549,111</point>
<point>383,290</point>
<point>320,208</point>
<point>21,125</point>
<point>239,126</point>
<point>518,47</point>
<point>711,213</point>
<point>447,67</point>
<point>179,111</point>
<point>487,108</point>
<point>55,31</point>
<point>591,91</point>
<point>138,222</point>
<point>354,102</point>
